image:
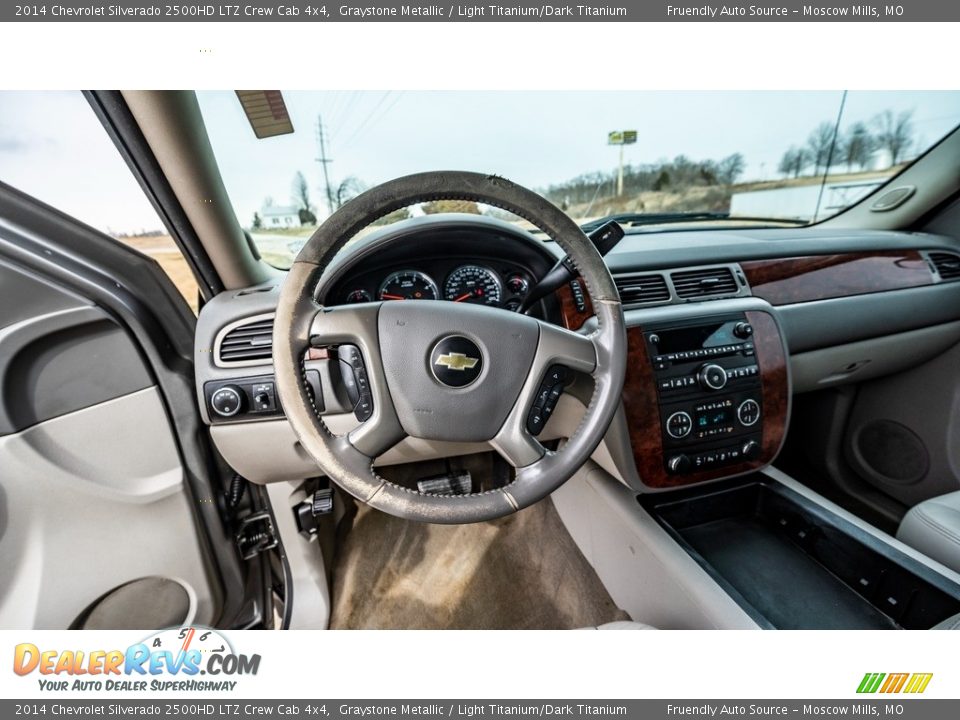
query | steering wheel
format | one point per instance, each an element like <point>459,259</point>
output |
<point>447,371</point>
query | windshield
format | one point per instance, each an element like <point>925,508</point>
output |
<point>726,158</point>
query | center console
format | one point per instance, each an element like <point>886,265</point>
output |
<point>705,397</point>
<point>790,562</point>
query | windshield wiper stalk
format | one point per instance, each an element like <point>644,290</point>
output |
<point>604,238</point>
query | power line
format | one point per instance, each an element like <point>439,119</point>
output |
<point>367,119</point>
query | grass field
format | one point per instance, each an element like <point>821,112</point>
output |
<point>162,249</point>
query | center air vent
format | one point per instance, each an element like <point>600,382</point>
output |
<point>250,342</point>
<point>637,289</point>
<point>705,282</point>
<point>947,264</point>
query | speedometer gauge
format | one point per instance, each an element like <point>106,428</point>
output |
<point>473,284</point>
<point>408,285</point>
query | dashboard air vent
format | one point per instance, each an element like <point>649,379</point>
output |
<point>704,282</point>
<point>947,264</point>
<point>642,289</point>
<point>253,341</point>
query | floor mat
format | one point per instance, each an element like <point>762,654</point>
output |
<point>519,572</point>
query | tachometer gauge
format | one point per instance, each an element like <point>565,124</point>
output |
<point>358,296</point>
<point>473,284</point>
<point>408,285</point>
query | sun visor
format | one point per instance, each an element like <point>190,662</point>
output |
<point>266,111</point>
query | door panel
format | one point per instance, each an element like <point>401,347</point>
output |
<point>111,503</point>
<point>93,500</point>
<point>65,356</point>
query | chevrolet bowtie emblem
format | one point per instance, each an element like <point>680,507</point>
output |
<point>456,361</point>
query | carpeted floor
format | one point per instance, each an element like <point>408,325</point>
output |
<point>520,572</point>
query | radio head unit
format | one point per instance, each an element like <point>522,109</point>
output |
<point>708,391</point>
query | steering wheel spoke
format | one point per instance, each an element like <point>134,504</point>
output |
<point>355,327</point>
<point>558,353</point>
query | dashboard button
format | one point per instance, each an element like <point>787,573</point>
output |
<point>679,425</point>
<point>227,401</point>
<point>749,412</point>
<point>712,376</point>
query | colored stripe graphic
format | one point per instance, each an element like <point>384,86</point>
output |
<point>870,682</point>
<point>894,683</point>
<point>918,682</point>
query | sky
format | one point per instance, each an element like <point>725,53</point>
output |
<point>52,146</point>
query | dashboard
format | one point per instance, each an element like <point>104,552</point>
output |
<point>724,327</point>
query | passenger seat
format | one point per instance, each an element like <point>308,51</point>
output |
<point>933,528</point>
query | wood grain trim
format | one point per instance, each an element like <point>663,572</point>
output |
<point>573,319</point>
<point>819,277</point>
<point>643,412</point>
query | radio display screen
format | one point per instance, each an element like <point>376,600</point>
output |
<point>677,340</point>
<point>714,418</point>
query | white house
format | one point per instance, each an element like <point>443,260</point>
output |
<point>280,216</point>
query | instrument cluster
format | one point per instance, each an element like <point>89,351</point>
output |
<point>498,284</point>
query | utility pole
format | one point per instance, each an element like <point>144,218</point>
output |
<point>324,162</point>
<point>620,174</point>
<point>621,138</point>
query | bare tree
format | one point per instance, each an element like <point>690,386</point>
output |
<point>794,161</point>
<point>895,133</point>
<point>301,200</point>
<point>820,144</point>
<point>857,147</point>
<point>731,168</point>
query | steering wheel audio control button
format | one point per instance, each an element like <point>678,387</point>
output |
<point>355,382</point>
<point>551,388</point>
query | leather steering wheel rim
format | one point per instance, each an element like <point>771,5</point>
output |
<point>301,323</point>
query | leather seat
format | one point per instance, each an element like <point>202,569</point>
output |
<point>933,528</point>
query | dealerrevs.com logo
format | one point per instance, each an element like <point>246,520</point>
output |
<point>171,660</point>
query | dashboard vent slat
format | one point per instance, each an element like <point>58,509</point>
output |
<point>947,264</point>
<point>642,289</point>
<point>704,282</point>
<point>253,341</point>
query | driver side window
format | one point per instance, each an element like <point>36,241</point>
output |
<point>53,147</point>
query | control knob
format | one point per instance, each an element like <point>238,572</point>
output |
<point>743,330</point>
<point>712,376</point>
<point>750,450</point>
<point>678,464</point>
<point>227,401</point>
